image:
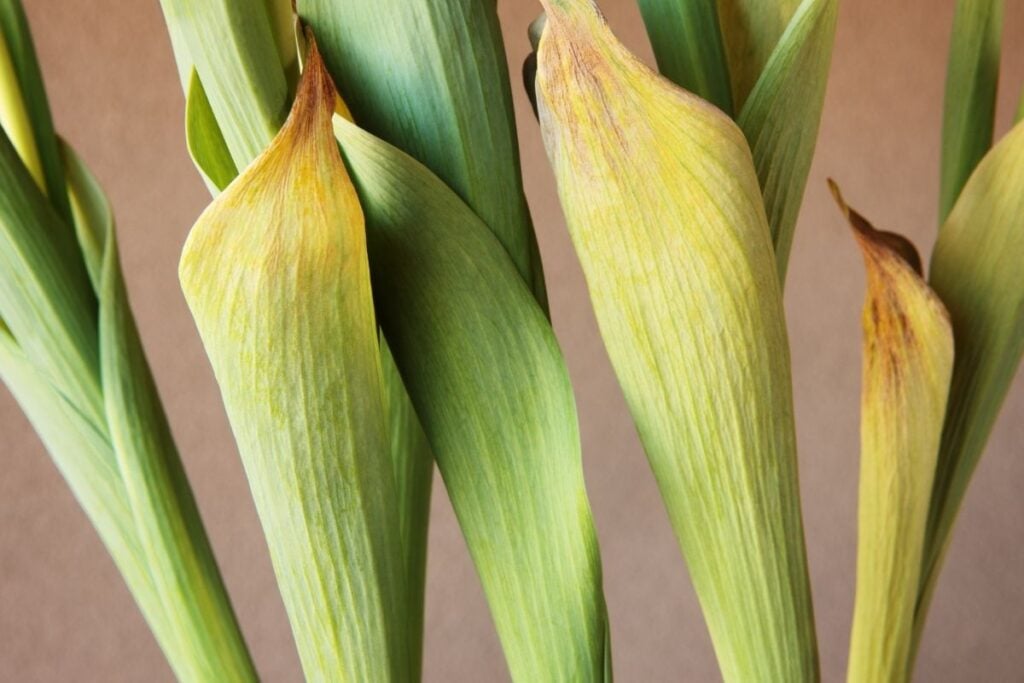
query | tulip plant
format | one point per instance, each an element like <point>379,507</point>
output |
<point>367,285</point>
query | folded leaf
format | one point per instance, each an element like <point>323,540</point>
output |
<point>975,270</point>
<point>782,113</point>
<point>664,209</point>
<point>908,360</point>
<point>688,46</point>
<point>275,272</point>
<point>750,30</point>
<point>431,78</point>
<point>972,79</point>
<point>486,377</point>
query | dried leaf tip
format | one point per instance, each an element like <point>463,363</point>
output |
<point>874,242</point>
<point>316,96</point>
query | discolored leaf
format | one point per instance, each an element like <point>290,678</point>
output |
<point>664,209</point>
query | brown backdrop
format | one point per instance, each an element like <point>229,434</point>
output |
<point>64,613</point>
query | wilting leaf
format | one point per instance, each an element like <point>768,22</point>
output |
<point>665,212</point>
<point>485,374</point>
<point>276,274</point>
<point>908,359</point>
<point>972,78</point>
<point>431,78</point>
<point>687,42</point>
<point>750,30</point>
<point>976,271</point>
<point>781,117</point>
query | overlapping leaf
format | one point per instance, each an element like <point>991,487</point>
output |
<point>664,209</point>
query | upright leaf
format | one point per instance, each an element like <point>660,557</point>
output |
<point>975,270</point>
<point>664,209</point>
<point>751,29</point>
<point>276,274</point>
<point>780,118</point>
<point>688,46</point>
<point>972,79</point>
<point>431,78</point>
<point>908,360</point>
<point>485,374</point>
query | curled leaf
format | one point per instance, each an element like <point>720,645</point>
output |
<point>275,272</point>
<point>664,209</point>
<point>908,361</point>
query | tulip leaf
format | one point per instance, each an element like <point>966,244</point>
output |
<point>688,46</point>
<point>486,377</point>
<point>26,89</point>
<point>781,116</point>
<point>275,272</point>
<point>975,270</point>
<point>664,209</point>
<point>750,31</point>
<point>431,78</point>
<point>206,143</point>
<point>972,78</point>
<point>908,360</point>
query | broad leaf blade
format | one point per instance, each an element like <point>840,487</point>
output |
<point>485,374</point>
<point>275,272</point>
<point>972,79</point>
<point>908,360</point>
<point>665,212</point>
<point>780,118</point>
<point>688,46</point>
<point>431,78</point>
<point>975,270</point>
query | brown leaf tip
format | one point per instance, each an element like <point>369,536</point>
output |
<point>315,97</point>
<point>870,236</point>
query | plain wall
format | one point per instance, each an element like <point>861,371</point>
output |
<point>64,612</point>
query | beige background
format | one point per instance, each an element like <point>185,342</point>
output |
<point>64,613</point>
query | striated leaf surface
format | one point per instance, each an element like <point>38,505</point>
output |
<point>664,209</point>
<point>908,361</point>
<point>750,30</point>
<point>276,274</point>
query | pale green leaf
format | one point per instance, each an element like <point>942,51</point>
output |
<point>781,116</point>
<point>276,275</point>
<point>665,212</point>
<point>908,360</point>
<point>431,78</point>
<point>485,374</point>
<point>205,140</point>
<point>972,79</point>
<point>90,211</point>
<point>687,42</point>
<point>976,271</point>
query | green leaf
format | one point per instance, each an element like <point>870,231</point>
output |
<point>750,30</point>
<point>28,83</point>
<point>781,116</point>
<point>972,78</point>
<point>281,296</point>
<point>232,47</point>
<point>665,212</point>
<point>687,42</point>
<point>90,211</point>
<point>431,78</point>
<point>908,360</point>
<point>206,143</point>
<point>197,613</point>
<point>486,377</point>
<point>975,270</point>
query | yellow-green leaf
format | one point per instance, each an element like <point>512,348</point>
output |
<point>908,360</point>
<point>976,271</point>
<point>665,212</point>
<point>275,272</point>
